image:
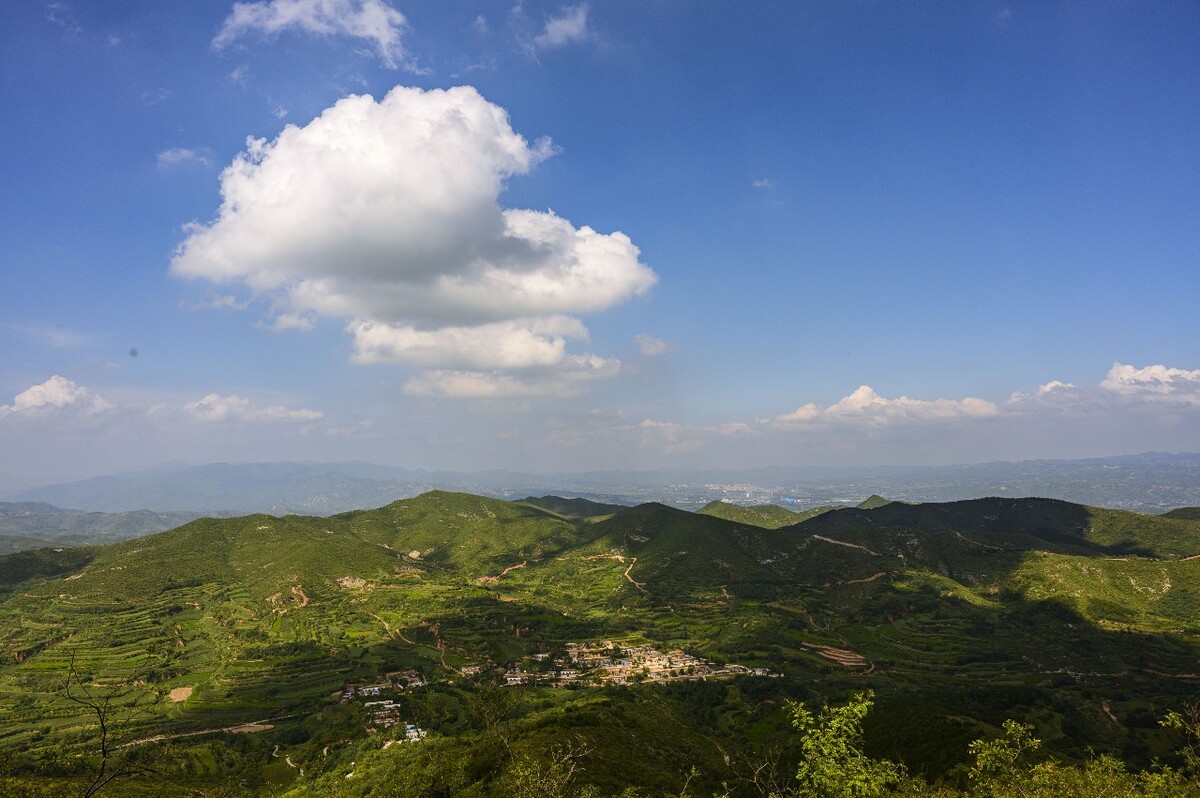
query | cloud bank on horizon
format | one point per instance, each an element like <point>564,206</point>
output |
<point>1125,389</point>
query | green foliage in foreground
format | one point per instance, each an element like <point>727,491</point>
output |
<point>833,765</point>
<point>493,763</point>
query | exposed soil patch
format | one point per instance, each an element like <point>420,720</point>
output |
<point>180,694</point>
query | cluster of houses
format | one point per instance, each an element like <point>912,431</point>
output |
<point>397,680</point>
<point>596,664</point>
<point>385,712</point>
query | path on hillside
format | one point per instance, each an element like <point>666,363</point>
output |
<point>622,558</point>
<point>241,728</point>
<point>387,627</point>
<point>300,594</point>
<point>871,578</point>
<point>489,579</point>
<point>966,539</point>
<point>847,545</point>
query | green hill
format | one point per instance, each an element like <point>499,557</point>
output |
<point>574,508</point>
<point>1027,524</point>
<point>873,501</point>
<point>1079,620</point>
<point>768,516</point>
<point>1184,513</point>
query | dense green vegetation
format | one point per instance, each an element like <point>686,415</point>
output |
<point>1083,624</point>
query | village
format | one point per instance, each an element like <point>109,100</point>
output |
<point>587,664</point>
<point>598,664</point>
<point>385,712</point>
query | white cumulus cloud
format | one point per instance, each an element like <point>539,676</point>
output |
<point>215,407</point>
<point>374,21</point>
<point>53,395</point>
<point>865,404</point>
<point>1054,385</point>
<point>1154,382</point>
<point>386,215</point>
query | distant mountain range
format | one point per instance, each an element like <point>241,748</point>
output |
<point>33,525</point>
<point>1151,482</point>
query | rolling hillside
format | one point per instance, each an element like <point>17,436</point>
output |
<point>966,612</point>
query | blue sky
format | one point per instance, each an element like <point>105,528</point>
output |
<point>637,234</point>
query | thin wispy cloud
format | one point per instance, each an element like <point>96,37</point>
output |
<point>372,21</point>
<point>650,346</point>
<point>569,26</point>
<point>61,14</point>
<point>156,96</point>
<point>54,336</point>
<point>184,156</point>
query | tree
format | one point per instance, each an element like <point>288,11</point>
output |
<point>1188,722</point>
<point>1000,764</point>
<point>115,710</point>
<point>832,763</point>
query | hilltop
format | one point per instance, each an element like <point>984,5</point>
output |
<point>768,516</point>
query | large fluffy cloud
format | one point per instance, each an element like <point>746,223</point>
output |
<point>372,20</point>
<point>386,215</point>
<point>55,395</point>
